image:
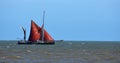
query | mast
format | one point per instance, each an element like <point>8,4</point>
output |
<point>24,31</point>
<point>43,26</point>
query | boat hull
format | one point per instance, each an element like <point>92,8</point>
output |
<point>37,42</point>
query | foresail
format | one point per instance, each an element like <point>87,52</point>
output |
<point>47,36</point>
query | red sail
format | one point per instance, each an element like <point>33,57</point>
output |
<point>47,37</point>
<point>35,32</point>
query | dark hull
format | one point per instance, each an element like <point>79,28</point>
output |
<point>37,42</point>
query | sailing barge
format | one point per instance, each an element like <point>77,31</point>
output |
<point>38,35</point>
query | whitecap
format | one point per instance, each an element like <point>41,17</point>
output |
<point>18,57</point>
<point>70,43</point>
<point>82,43</point>
<point>7,46</point>
<point>29,51</point>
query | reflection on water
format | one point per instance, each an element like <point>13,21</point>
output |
<point>61,52</point>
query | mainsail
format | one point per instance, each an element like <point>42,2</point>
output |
<point>36,33</point>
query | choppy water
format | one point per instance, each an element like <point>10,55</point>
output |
<point>61,52</point>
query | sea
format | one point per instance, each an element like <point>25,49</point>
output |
<point>61,52</point>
